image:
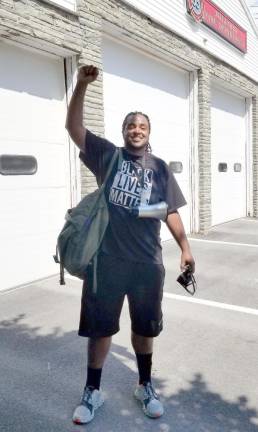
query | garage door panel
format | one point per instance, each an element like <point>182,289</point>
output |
<point>23,267</point>
<point>33,124</point>
<point>29,211</point>
<point>171,148</point>
<point>227,105</point>
<point>21,64</point>
<point>142,69</point>
<point>32,92</point>
<point>30,234</point>
<point>228,146</point>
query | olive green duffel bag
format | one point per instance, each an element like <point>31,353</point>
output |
<point>81,236</point>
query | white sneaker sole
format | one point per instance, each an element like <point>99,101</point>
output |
<point>148,414</point>
<point>80,420</point>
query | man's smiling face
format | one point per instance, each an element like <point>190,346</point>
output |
<point>136,132</point>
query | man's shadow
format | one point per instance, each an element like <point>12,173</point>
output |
<point>42,377</point>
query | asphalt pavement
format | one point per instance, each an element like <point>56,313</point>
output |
<point>205,363</point>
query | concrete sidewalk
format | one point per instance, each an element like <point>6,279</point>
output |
<point>205,365</point>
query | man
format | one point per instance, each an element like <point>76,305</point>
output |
<point>130,260</point>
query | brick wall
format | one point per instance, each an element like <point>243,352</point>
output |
<point>40,22</point>
<point>91,24</point>
<point>204,100</point>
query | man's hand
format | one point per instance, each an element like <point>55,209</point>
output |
<point>74,119</point>
<point>187,260</point>
<point>87,74</point>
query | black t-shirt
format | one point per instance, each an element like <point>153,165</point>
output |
<point>140,180</point>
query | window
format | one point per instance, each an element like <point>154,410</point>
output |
<point>223,167</point>
<point>18,165</point>
<point>176,167</point>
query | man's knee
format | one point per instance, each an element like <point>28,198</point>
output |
<point>99,342</point>
<point>142,344</point>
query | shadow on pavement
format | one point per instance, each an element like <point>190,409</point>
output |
<point>42,376</point>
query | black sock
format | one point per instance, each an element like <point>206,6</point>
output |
<point>93,378</point>
<point>144,362</point>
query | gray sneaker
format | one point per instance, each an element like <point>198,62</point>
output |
<point>91,400</point>
<point>151,404</point>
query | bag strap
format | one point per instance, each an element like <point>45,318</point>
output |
<point>117,153</point>
<point>120,159</point>
<point>61,267</point>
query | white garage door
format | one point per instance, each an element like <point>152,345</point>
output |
<point>228,157</point>
<point>32,116</point>
<point>135,82</point>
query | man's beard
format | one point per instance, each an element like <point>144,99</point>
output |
<point>136,150</point>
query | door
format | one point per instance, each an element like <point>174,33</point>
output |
<point>32,92</point>
<point>228,157</point>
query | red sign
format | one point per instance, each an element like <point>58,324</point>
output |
<point>212,16</point>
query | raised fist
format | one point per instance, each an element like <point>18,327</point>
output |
<point>87,74</point>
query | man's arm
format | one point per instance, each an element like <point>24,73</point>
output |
<point>176,227</point>
<point>74,119</point>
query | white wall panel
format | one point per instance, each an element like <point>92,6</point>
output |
<point>173,15</point>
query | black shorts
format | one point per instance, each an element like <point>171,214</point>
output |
<point>143,285</point>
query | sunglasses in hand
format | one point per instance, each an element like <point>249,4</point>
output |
<point>187,280</point>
